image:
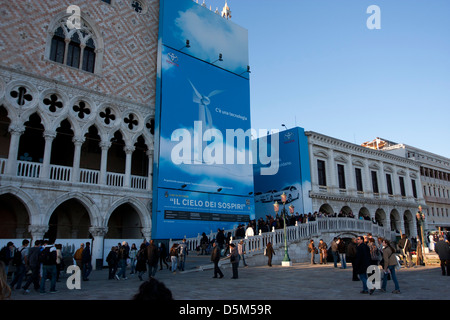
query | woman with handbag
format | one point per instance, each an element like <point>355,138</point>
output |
<point>389,266</point>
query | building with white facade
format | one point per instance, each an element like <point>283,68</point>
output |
<point>434,177</point>
<point>348,178</point>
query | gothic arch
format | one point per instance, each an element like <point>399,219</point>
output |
<point>87,202</point>
<point>33,209</point>
<point>140,208</point>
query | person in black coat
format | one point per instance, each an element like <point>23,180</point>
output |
<point>113,261</point>
<point>220,238</point>
<point>141,258</point>
<point>269,253</point>
<point>86,258</point>
<point>152,258</point>
<point>362,262</point>
<point>442,248</point>
<point>215,258</point>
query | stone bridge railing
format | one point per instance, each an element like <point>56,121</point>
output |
<point>305,231</point>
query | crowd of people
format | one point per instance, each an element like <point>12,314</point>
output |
<point>145,259</point>
<point>33,265</point>
<point>365,251</point>
<point>272,222</point>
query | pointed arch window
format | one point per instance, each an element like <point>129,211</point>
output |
<point>76,48</point>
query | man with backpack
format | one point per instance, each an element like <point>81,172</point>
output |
<point>47,257</point>
<point>6,255</point>
<point>19,261</point>
<point>34,266</point>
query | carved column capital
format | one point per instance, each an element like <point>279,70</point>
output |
<point>98,231</point>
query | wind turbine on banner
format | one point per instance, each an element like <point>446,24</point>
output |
<point>204,114</point>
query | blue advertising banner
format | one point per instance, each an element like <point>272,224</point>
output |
<point>200,105</point>
<point>293,177</point>
<point>187,213</point>
<point>202,123</point>
<point>208,35</point>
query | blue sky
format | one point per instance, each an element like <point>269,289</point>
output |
<point>315,64</point>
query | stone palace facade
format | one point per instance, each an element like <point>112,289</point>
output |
<point>76,119</point>
<point>351,179</point>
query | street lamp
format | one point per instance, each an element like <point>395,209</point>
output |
<point>286,260</point>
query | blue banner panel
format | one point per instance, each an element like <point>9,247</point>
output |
<point>200,106</point>
<point>208,35</point>
<point>202,123</point>
<point>184,213</point>
<point>293,177</point>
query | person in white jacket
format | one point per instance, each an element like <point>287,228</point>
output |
<point>249,232</point>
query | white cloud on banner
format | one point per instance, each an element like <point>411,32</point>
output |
<point>209,37</point>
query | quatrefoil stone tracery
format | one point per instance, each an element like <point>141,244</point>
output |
<point>53,103</point>
<point>81,110</point>
<point>131,121</point>
<point>21,96</point>
<point>107,116</point>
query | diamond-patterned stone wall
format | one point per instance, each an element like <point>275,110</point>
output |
<point>128,65</point>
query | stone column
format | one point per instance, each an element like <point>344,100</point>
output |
<point>49,136</point>
<point>128,153</point>
<point>80,65</point>
<point>382,181</point>
<point>350,180</point>
<point>313,167</point>
<point>104,145</point>
<point>396,190</point>
<point>97,246</point>
<point>66,50</point>
<point>408,186</point>
<point>16,131</point>
<point>367,183</point>
<point>78,142</point>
